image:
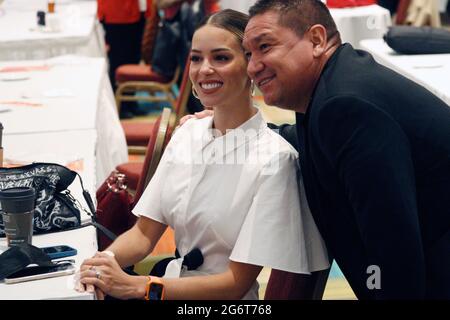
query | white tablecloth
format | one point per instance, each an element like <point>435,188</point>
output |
<point>73,94</point>
<point>356,24</point>
<point>431,71</point>
<point>83,239</point>
<point>79,30</point>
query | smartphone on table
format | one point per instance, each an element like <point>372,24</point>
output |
<point>56,252</point>
<point>63,268</point>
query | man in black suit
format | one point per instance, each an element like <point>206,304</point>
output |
<point>374,150</point>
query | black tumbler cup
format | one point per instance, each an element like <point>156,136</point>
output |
<point>17,208</point>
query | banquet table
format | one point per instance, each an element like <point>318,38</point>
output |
<point>72,29</point>
<point>61,94</point>
<point>429,70</point>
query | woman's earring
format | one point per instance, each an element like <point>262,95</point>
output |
<point>252,88</point>
<point>194,93</point>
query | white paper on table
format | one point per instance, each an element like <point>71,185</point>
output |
<point>14,76</point>
<point>58,93</point>
<point>59,158</point>
<point>4,109</point>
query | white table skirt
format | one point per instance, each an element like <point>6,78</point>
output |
<point>83,239</point>
<point>429,70</point>
<point>112,147</point>
<point>356,24</point>
<point>79,31</point>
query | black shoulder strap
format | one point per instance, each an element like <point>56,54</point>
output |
<point>92,213</point>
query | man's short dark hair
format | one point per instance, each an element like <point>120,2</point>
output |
<point>298,15</point>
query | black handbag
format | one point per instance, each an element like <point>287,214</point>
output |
<point>55,208</point>
<point>418,40</point>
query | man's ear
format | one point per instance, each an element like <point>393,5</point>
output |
<point>318,37</point>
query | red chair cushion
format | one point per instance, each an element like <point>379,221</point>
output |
<point>137,133</point>
<point>138,72</point>
<point>349,3</point>
<point>133,171</point>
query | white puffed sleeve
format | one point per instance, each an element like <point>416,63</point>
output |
<point>150,204</point>
<point>273,234</point>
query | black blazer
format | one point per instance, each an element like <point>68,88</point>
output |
<point>375,158</point>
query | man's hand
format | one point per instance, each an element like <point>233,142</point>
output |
<point>197,115</point>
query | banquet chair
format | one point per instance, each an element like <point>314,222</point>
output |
<point>138,134</point>
<point>117,196</point>
<point>131,78</point>
<point>284,285</point>
<point>165,247</point>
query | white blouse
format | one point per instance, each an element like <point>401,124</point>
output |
<point>235,197</point>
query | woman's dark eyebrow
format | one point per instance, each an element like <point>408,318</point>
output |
<point>213,50</point>
<point>220,49</point>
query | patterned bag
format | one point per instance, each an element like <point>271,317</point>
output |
<point>55,208</point>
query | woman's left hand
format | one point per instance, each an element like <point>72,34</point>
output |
<point>103,272</point>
